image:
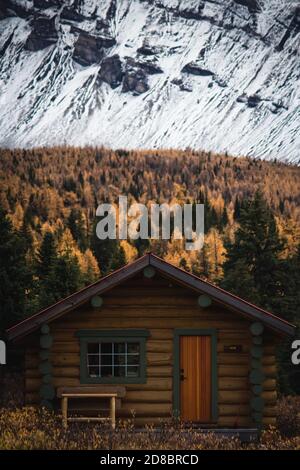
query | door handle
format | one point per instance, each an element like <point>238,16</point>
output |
<point>182,376</point>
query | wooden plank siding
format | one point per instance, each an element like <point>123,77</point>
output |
<point>160,307</point>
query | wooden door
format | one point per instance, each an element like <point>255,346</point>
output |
<point>195,378</point>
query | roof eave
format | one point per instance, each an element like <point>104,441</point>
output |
<point>75,300</point>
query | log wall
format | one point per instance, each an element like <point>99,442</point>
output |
<point>159,306</point>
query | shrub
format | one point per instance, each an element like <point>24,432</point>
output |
<point>288,416</point>
<point>34,428</point>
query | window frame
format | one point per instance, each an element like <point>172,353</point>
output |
<point>97,336</point>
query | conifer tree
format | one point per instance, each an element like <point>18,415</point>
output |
<point>76,225</point>
<point>256,248</point>
<point>15,277</point>
<point>224,219</point>
<point>119,258</point>
<point>59,272</point>
<point>46,256</point>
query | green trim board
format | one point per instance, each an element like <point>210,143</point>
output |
<point>95,336</point>
<point>214,371</point>
<point>112,333</point>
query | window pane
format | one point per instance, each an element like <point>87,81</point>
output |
<point>93,348</point>
<point>93,359</point>
<point>106,348</point>
<point>119,371</point>
<point>106,371</point>
<point>119,348</point>
<point>120,359</point>
<point>93,371</point>
<point>133,348</point>
<point>132,371</point>
<point>133,360</point>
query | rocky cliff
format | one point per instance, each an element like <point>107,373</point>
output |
<point>220,75</point>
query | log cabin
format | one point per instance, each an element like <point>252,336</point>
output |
<point>164,342</point>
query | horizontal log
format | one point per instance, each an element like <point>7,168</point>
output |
<point>155,312</point>
<point>165,345</point>
<point>234,397</point>
<point>155,371</point>
<point>233,335</point>
<point>270,411</point>
<point>158,301</point>
<point>63,359</point>
<point>66,334</point>
<point>159,346</point>
<point>72,347</point>
<point>269,384</point>
<point>142,290</point>
<point>269,396</point>
<point>159,371</point>
<point>234,421</point>
<point>233,371</point>
<point>32,385</point>
<point>72,372</point>
<point>233,383</point>
<point>152,384</point>
<point>234,410</point>
<point>32,373</point>
<point>164,334</point>
<point>269,360</point>
<point>233,359</point>
<point>146,409</point>
<point>148,396</point>
<point>269,421</point>
<point>141,322</point>
<point>159,359</point>
<point>270,371</point>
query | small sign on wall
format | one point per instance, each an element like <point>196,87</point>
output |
<point>233,348</point>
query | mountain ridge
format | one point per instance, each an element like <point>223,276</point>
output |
<point>220,76</point>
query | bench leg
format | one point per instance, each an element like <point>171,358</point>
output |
<point>113,412</point>
<point>64,410</point>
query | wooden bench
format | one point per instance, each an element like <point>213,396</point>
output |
<point>110,393</point>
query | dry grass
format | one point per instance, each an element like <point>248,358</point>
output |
<point>31,428</point>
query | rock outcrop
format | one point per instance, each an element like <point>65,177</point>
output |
<point>70,14</point>
<point>135,81</point>
<point>150,68</point>
<point>43,33</point>
<point>252,5</point>
<point>196,69</point>
<point>111,71</point>
<point>89,49</point>
<point>11,8</point>
<point>42,4</point>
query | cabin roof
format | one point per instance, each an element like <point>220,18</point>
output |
<point>119,276</point>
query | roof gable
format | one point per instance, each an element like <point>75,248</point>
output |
<point>119,276</point>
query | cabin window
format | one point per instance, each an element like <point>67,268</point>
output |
<point>113,357</point>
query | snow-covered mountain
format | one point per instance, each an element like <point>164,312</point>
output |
<point>218,75</point>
